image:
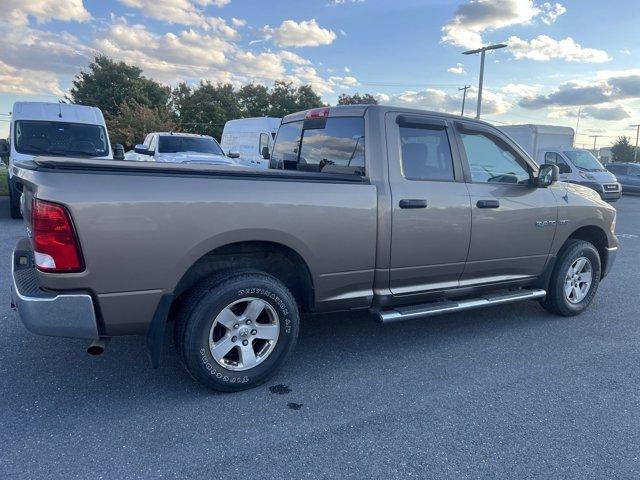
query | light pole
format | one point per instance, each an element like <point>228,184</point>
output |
<point>635,152</point>
<point>464,97</point>
<point>595,140</point>
<point>482,51</point>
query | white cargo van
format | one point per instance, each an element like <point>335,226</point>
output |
<point>251,139</point>
<point>554,144</point>
<point>54,130</point>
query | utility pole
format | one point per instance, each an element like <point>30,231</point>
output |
<point>635,152</point>
<point>578,122</point>
<point>482,51</point>
<point>464,97</point>
<point>595,140</point>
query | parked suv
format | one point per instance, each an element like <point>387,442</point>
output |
<point>404,213</point>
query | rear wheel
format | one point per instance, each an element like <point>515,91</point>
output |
<point>575,279</point>
<point>234,332</point>
<point>14,200</point>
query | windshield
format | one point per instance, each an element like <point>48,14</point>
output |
<point>584,160</point>
<point>60,138</point>
<point>178,144</point>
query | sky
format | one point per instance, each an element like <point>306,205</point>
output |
<point>573,62</point>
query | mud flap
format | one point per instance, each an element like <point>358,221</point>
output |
<point>156,330</point>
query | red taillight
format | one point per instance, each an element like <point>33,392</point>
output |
<point>318,113</point>
<point>55,243</point>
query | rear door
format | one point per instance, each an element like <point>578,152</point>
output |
<point>431,214</point>
<point>513,222</point>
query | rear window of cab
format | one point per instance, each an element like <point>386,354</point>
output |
<point>331,145</point>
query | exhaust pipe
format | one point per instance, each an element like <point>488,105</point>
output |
<point>97,347</point>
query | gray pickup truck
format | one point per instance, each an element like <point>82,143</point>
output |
<point>404,213</point>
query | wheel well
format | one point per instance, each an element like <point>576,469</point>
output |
<point>275,259</point>
<point>595,236</point>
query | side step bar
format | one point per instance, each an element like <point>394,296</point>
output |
<point>447,306</point>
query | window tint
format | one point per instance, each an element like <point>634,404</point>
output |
<point>492,160</point>
<point>426,154</point>
<point>286,148</point>
<point>338,147</point>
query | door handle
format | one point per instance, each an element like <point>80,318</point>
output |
<point>413,203</point>
<point>488,204</point>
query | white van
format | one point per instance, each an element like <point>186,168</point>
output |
<point>251,139</point>
<point>554,144</point>
<point>54,129</point>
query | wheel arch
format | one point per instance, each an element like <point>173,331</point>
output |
<point>597,237</point>
<point>277,259</point>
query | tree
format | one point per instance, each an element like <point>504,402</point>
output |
<point>205,109</point>
<point>284,99</point>
<point>357,99</point>
<point>622,150</point>
<point>254,100</point>
<point>108,85</point>
<point>134,121</point>
<point>306,98</point>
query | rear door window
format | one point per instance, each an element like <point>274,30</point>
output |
<point>426,154</point>
<point>334,146</point>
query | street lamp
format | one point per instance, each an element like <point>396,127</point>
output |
<point>482,51</point>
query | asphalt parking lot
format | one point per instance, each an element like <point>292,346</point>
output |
<point>507,392</point>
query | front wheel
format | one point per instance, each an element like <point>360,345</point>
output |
<point>575,279</point>
<point>234,332</point>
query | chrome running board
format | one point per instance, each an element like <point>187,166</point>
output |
<point>447,306</point>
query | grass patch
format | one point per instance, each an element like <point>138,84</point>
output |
<point>4,187</point>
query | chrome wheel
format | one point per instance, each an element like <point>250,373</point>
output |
<point>578,280</point>
<point>244,334</point>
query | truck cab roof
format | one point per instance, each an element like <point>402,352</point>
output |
<point>57,112</point>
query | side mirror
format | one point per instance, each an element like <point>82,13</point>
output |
<point>265,153</point>
<point>547,175</point>
<point>118,152</point>
<point>142,150</point>
<point>233,155</point>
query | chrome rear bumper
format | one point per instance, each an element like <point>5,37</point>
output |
<point>68,314</point>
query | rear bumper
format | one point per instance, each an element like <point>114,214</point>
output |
<point>609,260</point>
<point>68,314</point>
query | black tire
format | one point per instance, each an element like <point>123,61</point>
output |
<point>197,313</point>
<point>556,301</point>
<point>14,200</point>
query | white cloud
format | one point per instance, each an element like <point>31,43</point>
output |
<point>521,90</point>
<point>183,12</point>
<point>17,12</point>
<point>544,48</point>
<point>607,113</point>
<point>306,33</point>
<point>441,101</point>
<point>27,82</point>
<point>625,51</point>
<point>347,69</point>
<point>334,3</point>
<point>477,16</point>
<point>457,70</point>
<point>551,12</point>
<point>293,58</point>
<point>343,82</point>
<point>238,22</point>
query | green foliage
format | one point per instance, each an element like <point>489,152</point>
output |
<point>135,105</point>
<point>622,150</point>
<point>134,121</point>
<point>108,85</point>
<point>254,100</point>
<point>357,99</point>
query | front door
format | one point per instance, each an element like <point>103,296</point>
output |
<point>431,214</point>
<point>513,222</point>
